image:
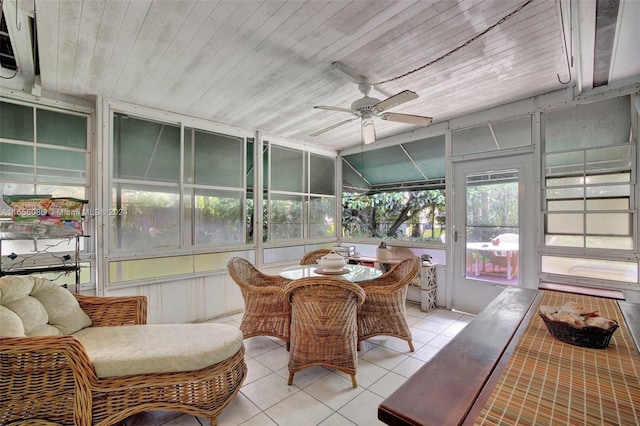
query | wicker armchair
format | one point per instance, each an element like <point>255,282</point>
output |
<point>384,309</point>
<point>312,257</point>
<point>52,377</point>
<point>266,311</point>
<point>323,324</point>
<point>503,259</point>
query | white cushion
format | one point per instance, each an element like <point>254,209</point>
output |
<point>63,309</point>
<point>45,308</point>
<point>10,323</point>
<point>158,348</point>
<point>30,311</point>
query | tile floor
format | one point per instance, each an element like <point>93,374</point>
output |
<point>320,396</point>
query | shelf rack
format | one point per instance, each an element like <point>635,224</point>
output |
<point>36,262</point>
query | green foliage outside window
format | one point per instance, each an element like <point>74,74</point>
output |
<point>401,215</point>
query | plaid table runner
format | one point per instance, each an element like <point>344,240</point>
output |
<point>548,382</point>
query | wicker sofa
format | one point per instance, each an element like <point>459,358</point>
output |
<point>94,360</point>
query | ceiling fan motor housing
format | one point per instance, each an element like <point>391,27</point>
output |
<point>364,104</point>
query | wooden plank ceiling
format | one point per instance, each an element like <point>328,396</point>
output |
<point>263,65</point>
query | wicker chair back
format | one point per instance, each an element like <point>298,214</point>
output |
<point>384,309</point>
<point>266,313</point>
<point>323,324</point>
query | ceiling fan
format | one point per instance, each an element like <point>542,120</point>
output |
<point>366,108</point>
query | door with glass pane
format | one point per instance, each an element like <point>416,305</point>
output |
<point>489,206</point>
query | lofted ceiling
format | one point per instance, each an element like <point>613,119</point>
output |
<point>264,65</point>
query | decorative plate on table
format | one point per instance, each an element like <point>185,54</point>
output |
<point>331,271</point>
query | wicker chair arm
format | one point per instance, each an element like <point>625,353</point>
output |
<point>268,290</point>
<point>109,311</point>
<point>57,363</point>
<point>383,283</point>
<point>270,281</point>
<point>396,278</point>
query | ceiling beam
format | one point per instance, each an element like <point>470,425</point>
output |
<point>584,39</point>
<point>18,26</point>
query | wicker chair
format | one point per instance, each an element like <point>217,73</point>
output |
<point>323,324</point>
<point>504,260</point>
<point>384,309</point>
<point>52,377</point>
<point>312,257</point>
<point>266,311</point>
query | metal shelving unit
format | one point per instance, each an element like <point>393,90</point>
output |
<point>42,258</point>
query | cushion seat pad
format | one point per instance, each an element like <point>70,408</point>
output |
<point>158,348</point>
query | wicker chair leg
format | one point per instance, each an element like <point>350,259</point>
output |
<point>410,345</point>
<point>214,421</point>
<point>359,347</point>
<point>353,381</point>
<point>291,373</point>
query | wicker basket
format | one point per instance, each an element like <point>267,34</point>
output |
<point>586,337</point>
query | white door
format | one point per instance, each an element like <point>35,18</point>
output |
<point>493,199</point>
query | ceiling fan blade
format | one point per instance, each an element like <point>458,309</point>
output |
<point>332,108</point>
<point>326,129</point>
<point>418,120</point>
<point>368,131</point>
<point>395,100</point>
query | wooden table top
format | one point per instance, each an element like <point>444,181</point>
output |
<point>453,387</point>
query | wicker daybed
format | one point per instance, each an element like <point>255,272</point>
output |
<point>80,376</point>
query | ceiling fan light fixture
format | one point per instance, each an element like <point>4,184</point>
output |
<point>368,130</point>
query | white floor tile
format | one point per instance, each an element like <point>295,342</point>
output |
<point>240,410</point>
<point>255,371</point>
<point>366,345</point>
<point>454,329</point>
<point>444,316</point>
<point>334,390</point>
<point>440,341</point>
<point>387,384</point>
<point>415,311</point>
<point>268,391</point>
<point>260,420</point>
<point>425,353</point>
<point>397,345</point>
<point>408,367</point>
<point>304,378</point>
<point>363,409</point>
<point>336,420</point>
<point>384,357</point>
<point>366,374</point>
<point>258,345</point>
<point>430,325</point>
<point>289,413</point>
<point>421,336</point>
<point>412,319</point>
<point>274,359</point>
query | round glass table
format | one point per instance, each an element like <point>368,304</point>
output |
<point>355,273</point>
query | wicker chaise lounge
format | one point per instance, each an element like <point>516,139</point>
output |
<point>113,365</point>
